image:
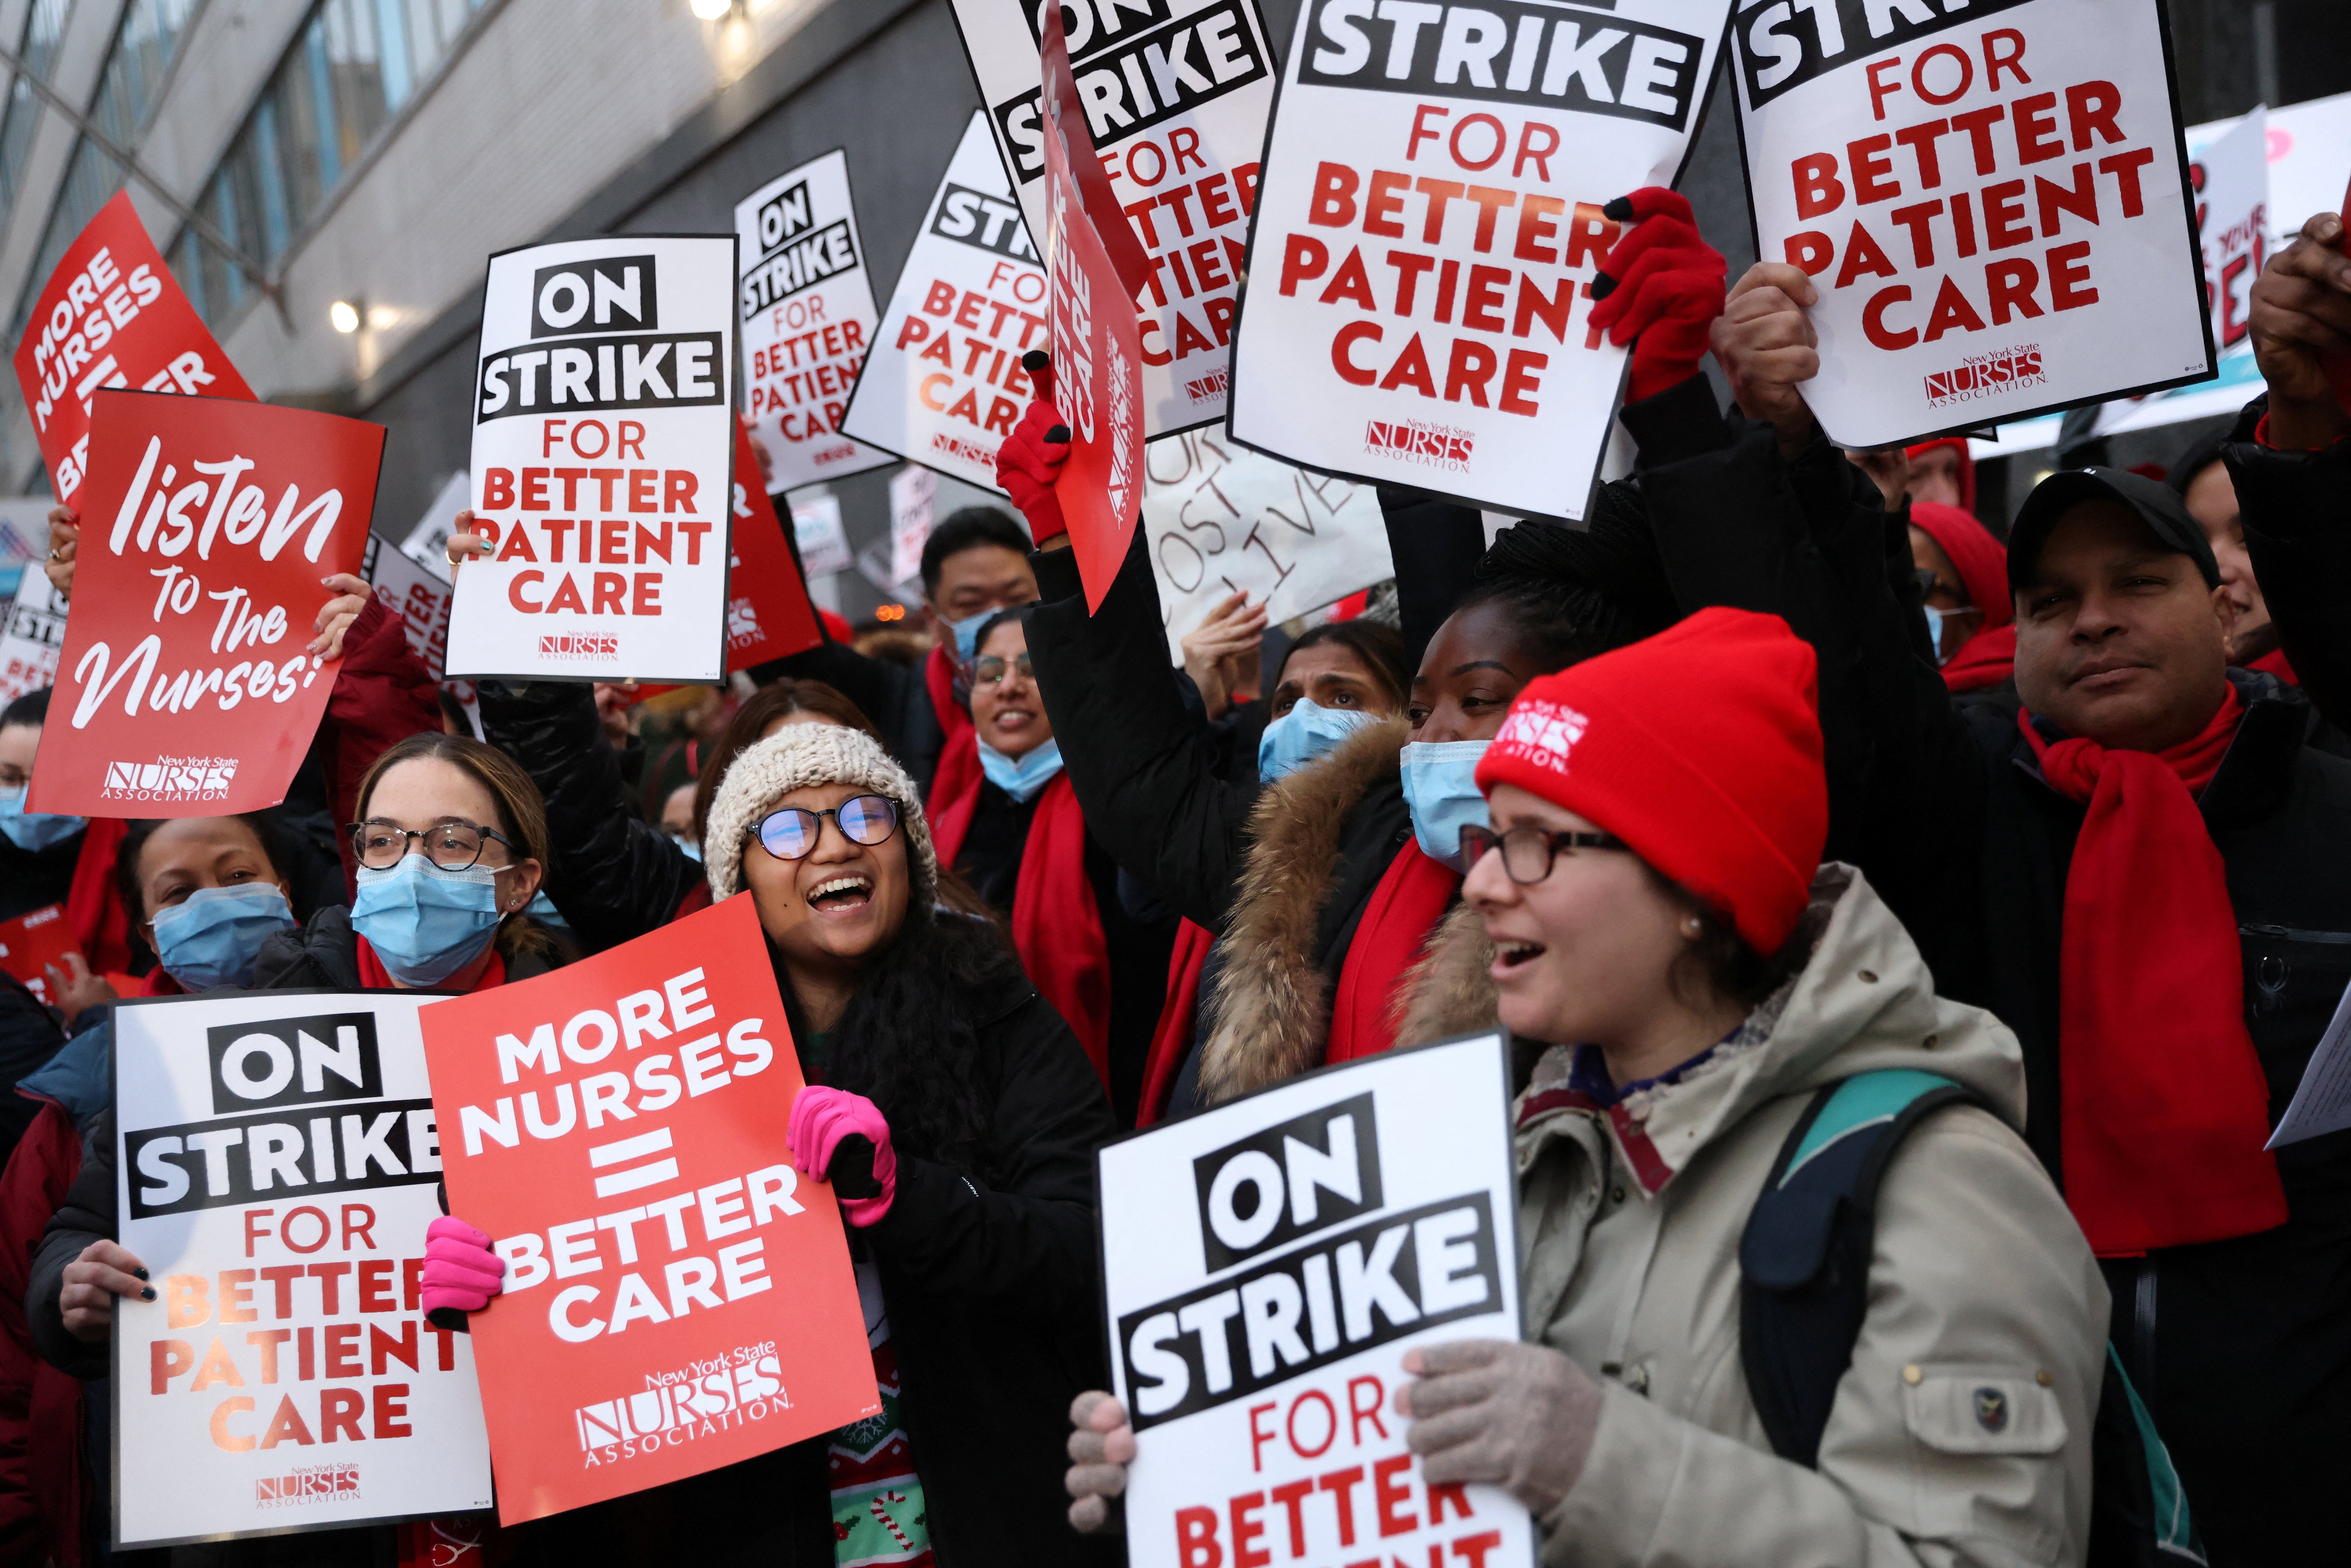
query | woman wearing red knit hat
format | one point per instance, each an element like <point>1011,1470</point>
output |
<point>1710,1012</point>
<point>1970,619</point>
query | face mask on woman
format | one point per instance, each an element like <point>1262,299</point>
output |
<point>1934,633</point>
<point>1303,734</point>
<point>35,830</point>
<point>212,936</point>
<point>424,922</point>
<point>1021,776</point>
<point>1440,790</point>
<point>966,632</point>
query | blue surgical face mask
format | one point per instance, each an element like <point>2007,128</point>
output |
<point>966,635</point>
<point>542,909</point>
<point>1935,633</point>
<point>35,830</point>
<point>1440,790</point>
<point>1302,735</point>
<point>424,922</point>
<point>212,936</point>
<point>1021,776</point>
<point>692,848</point>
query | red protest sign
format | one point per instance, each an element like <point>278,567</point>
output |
<point>183,689</point>
<point>1097,347</point>
<point>32,942</point>
<point>768,614</point>
<point>677,1298</point>
<point>111,315</point>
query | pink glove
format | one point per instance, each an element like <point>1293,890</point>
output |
<point>461,1272</point>
<point>1662,285</point>
<point>1030,458</point>
<point>820,1118</point>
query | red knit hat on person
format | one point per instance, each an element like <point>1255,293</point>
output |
<point>1700,747</point>
<point>1980,559</point>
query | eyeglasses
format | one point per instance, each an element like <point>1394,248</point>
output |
<point>1528,851</point>
<point>789,835</point>
<point>991,670</point>
<point>452,846</point>
<point>1930,585</point>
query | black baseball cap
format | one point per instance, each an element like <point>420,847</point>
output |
<point>2158,506</point>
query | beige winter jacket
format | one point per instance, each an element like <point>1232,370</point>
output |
<point>1630,1222</point>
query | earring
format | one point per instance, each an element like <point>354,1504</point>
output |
<point>1691,928</point>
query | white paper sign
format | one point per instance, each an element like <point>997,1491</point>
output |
<point>603,463</point>
<point>944,385</point>
<point>1176,94</point>
<point>817,529</point>
<point>419,597</point>
<point>1429,229</point>
<point>35,635</point>
<point>2230,179</point>
<point>428,542</point>
<point>2322,1101</point>
<point>275,1171</point>
<point>1265,1266</point>
<point>910,493</point>
<point>1989,200</point>
<point>1224,520</point>
<point>807,320</point>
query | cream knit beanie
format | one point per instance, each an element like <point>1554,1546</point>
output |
<point>795,757</point>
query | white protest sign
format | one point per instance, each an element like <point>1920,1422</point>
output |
<point>1266,1265</point>
<point>817,529</point>
<point>34,637</point>
<point>2231,178</point>
<point>944,385</point>
<point>1990,201</point>
<point>418,597</point>
<point>603,463</point>
<point>1225,520</point>
<point>807,320</point>
<point>427,543</point>
<point>911,494</point>
<point>275,1171</point>
<point>1429,228</point>
<point>1176,94</point>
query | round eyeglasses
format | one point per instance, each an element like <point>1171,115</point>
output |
<point>452,846</point>
<point>789,835</point>
<point>1528,851</point>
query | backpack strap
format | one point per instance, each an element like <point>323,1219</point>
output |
<point>1805,1257</point>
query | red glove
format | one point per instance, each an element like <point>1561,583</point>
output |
<point>1662,285</point>
<point>820,1119</point>
<point>461,1272</point>
<point>1030,458</point>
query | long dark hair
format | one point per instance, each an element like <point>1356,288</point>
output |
<point>908,1042</point>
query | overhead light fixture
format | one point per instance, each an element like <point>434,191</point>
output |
<point>710,10</point>
<point>344,315</point>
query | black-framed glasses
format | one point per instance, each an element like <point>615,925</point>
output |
<point>1930,585</point>
<point>1528,851</point>
<point>987,672</point>
<point>790,834</point>
<point>452,846</point>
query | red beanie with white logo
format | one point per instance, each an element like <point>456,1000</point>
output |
<point>1700,747</point>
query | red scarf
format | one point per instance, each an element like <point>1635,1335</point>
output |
<point>1057,926</point>
<point>1177,1014</point>
<point>159,983</point>
<point>2166,1106</point>
<point>374,976</point>
<point>955,783</point>
<point>1984,660</point>
<point>2274,663</point>
<point>1402,910</point>
<point>93,906</point>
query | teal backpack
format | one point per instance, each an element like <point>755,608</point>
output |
<point>1804,1288</point>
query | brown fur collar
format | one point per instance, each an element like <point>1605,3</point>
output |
<point>1273,1013</point>
<point>1450,990</point>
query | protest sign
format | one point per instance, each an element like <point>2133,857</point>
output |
<point>1429,228</point>
<point>274,1170</point>
<point>912,491</point>
<point>1176,93</point>
<point>183,689</point>
<point>768,611</point>
<point>1222,521</point>
<point>427,543</point>
<point>713,1314</point>
<point>604,442</point>
<point>944,385</point>
<point>807,320</point>
<point>35,634</point>
<point>1098,357</point>
<point>817,529</point>
<point>31,942</point>
<point>1266,1265</point>
<point>111,315</point>
<point>1992,203</point>
<point>2230,179</point>
<point>416,595</point>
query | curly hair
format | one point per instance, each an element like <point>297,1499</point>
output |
<point>1573,594</point>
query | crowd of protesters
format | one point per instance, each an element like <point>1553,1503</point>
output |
<point>1779,769</point>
